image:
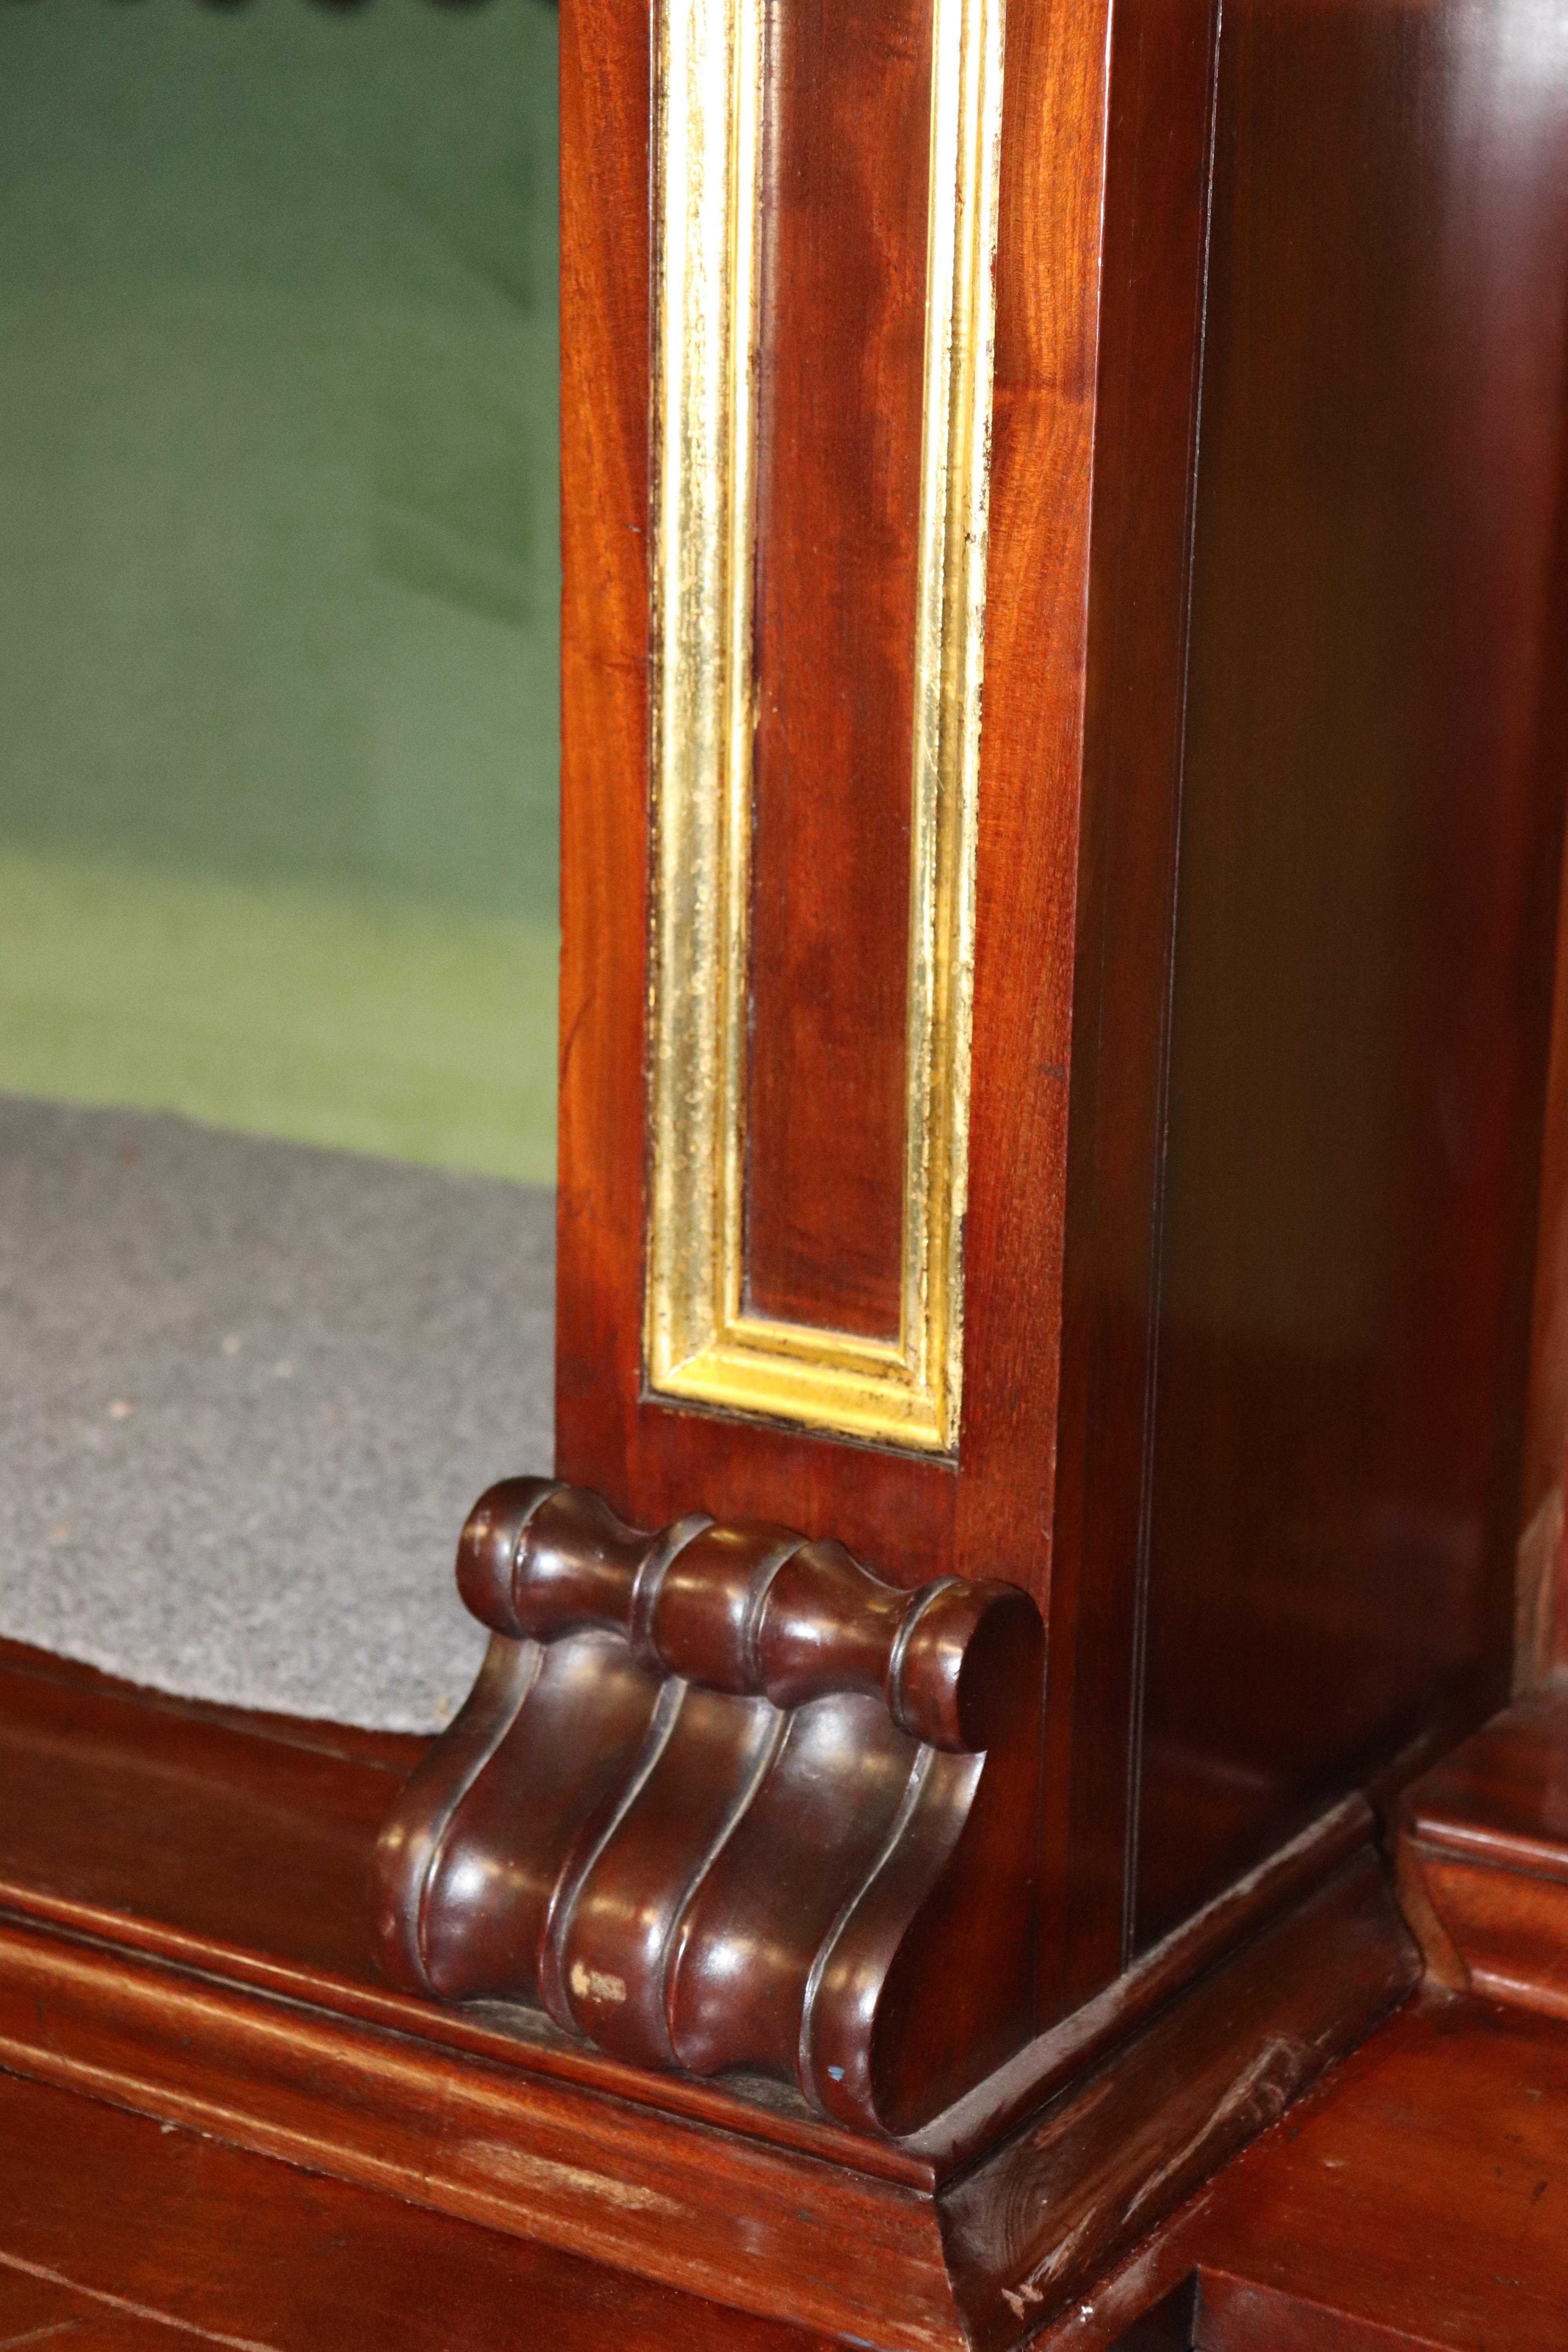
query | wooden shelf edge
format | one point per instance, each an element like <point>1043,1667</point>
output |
<point>1481,1853</point>
<point>145,1983</point>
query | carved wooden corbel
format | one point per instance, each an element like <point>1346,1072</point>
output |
<point>722,1799</point>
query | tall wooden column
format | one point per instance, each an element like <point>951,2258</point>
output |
<point>1059,894</point>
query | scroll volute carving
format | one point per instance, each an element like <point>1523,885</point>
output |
<point>722,1799</point>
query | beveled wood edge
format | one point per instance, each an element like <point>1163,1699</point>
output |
<point>394,1752</point>
<point>661,2195</point>
<point>1033,2224</point>
<point>521,2042</point>
<point>528,2043</point>
<point>790,2233</point>
<point>1484,1885</point>
<point>1485,1929</point>
<point>1133,2000</point>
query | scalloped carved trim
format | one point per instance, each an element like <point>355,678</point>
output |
<point>722,1798</point>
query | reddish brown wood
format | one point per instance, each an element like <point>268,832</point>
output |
<point>391,1751</point>
<point>820,2242</point>
<point>1149,364</point>
<point>1369,856</point>
<point>1340,2231</point>
<point>1413,2203</point>
<point>605,351</point>
<point>143,2238</point>
<point>721,1799</point>
<point>288,2044</point>
<point>1541,1606</point>
<point>1234,526</point>
<point>839,396</point>
<point>107,1793</point>
<point>1483,1856</point>
<point>129,1820</point>
<point>1025,2233</point>
<point>915,1517</point>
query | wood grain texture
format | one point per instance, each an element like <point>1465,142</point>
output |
<point>1028,2230</point>
<point>1540,1592</point>
<point>1158,166</point>
<point>841,350</point>
<point>1483,1856</point>
<point>1409,2204</point>
<point>1412,2203</point>
<point>1370,857</point>
<point>147,1980</point>
<point>1252,612</point>
<point>721,1799</point>
<point>606,357</point>
<point>820,2244</point>
<point>129,2236</point>
<point>915,1517</point>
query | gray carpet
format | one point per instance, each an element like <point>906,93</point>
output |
<point>247,1392</point>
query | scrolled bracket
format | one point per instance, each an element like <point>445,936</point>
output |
<point>720,1798</point>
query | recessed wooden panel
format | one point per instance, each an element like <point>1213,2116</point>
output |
<point>842,288</point>
<point>655,1457</point>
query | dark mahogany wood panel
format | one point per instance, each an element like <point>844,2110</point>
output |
<point>107,1792</point>
<point>129,2236</point>
<point>1541,1598</point>
<point>1483,1856</point>
<point>1155,221</point>
<point>906,1517</point>
<point>847,148</point>
<point>606,356</point>
<point>1369,858</point>
<point>1412,2203</point>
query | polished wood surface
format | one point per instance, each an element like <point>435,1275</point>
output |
<point>1483,1856</point>
<point>1270,862</point>
<point>721,1799</point>
<point>841,383</point>
<point>1414,2202</point>
<point>1161,71</point>
<point>1369,855</point>
<point>1030,2231</point>
<point>1270,841</point>
<point>119,2234</point>
<point>1339,2232</point>
<point>1540,1601</point>
<point>106,1792</point>
<point>915,1517</point>
<point>174,1957</point>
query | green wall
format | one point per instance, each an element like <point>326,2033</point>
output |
<point>279,580</point>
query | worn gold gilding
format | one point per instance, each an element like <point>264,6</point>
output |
<point>701,1347</point>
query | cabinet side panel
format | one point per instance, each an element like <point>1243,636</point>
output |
<point>1157,183</point>
<point>1369,860</point>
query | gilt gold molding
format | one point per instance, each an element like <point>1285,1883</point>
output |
<point>701,1346</point>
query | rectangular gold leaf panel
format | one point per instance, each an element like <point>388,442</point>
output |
<point>701,1345</point>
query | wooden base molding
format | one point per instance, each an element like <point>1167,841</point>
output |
<point>141,1842</point>
<point>1483,1856</point>
<point>1413,2203</point>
